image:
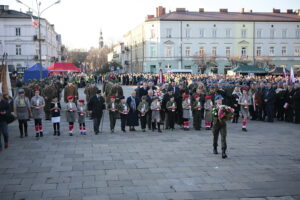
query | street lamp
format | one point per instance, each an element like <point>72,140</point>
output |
<point>39,13</point>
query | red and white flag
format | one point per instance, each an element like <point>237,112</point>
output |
<point>34,23</point>
<point>292,77</point>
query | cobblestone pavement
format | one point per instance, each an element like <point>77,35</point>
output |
<point>263,164</point>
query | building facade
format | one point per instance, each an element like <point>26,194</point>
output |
<point>19,39</point>
<point>214,41</point>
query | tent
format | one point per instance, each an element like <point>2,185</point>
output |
<point>278,71</point>
<point>245,69</point>
<point>34,73</point>
<point>63,67</point>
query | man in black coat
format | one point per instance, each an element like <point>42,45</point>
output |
<point>269,99</point>
<point>96,107</point>
<point>296,100</point>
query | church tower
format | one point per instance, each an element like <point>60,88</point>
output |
<point>101,40</point>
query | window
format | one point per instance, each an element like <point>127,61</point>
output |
<point>201,51</point>
<point>258,33</point>
<point>272,33</point>
<point>214,51</point>
<point>188,51</point>
<point>244,52</point>
<point>228,52</point>
<point>187,33</point>
<point>18,31</point>
<point>214,33</point>
<point>187,67</point>
<point>153,51</point>
<point>169,33</point>
<point>152,33</point>
<point>244,33</point>
<point>283,51</point>
<point>297,34</point>
<point>284,33</point>
<point>297,51</point>
<point>258,51</point>
<point>168,51</point>
<point>228,33</point>
<point>201,33</point>
<point>18,49</point>
<point>272,51</point>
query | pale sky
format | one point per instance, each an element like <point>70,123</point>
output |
<point>79,21</point>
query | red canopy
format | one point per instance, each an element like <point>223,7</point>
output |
<point>63,67</point>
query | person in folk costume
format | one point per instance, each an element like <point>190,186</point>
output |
<point>156,107</point>
<point>81,116</point>
<point>236,94</point>
<point>37,105</point>
<point>186,106</point>
<point>123,109</point>
<point>143,108</point>
<point>219,127</point>
<point>208,105</point>
<point>171,107</point>
<point>112,107</point>
<point>196,107</point>
<point>133,119</point>
<point>55,108</point>
<point>71,114</point>
<point>22,110</point>
<point>245,101</point>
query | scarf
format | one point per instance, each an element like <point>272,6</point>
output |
<point>132,104</point>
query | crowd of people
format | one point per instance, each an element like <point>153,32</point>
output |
<point>154,103</point>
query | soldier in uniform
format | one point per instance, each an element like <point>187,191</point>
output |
<point>143,108</point>
<point>196,108</point>
<point>70,90</point>
<point>90,91</point>
<point>48,93</point>
<point>219,127</point>
<point>37,105</point>
<point>123,110</point>
<point>112,107</point>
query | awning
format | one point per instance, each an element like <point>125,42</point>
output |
<point>64,67</point>
<point>245,69</point>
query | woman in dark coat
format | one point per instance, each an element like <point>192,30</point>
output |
<point>133,119</point>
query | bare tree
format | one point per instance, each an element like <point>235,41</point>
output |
<point>264,62</point>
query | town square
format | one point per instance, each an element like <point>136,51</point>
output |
<point>184,104</point>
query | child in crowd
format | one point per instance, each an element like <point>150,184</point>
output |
<point>171,106</point>
<point>208,105</point>
<point>71,114</point>
<point>81,116</point>
<point>55,108</point>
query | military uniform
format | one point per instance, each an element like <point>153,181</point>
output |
<point>143,108</point>
<point>70,91</point>
<point>219,127</point>
<point>48,93</point>
<point>196,108</point>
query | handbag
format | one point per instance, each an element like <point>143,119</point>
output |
<point>9,118</point>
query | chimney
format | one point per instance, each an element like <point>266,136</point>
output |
<point>201,9</point>
<point>224,10</point>
<point>276,10</point>
<point>180,10</point>
<point>149,17</point>
<point>242,10</point>
<point>289,11</point>
<point>160,11</point>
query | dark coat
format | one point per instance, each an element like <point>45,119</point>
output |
<point>296,99</point>
<point>133,119</point>
<point>96,105</point>
<point>4,107</point>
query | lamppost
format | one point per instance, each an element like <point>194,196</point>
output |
<point>39,12</point>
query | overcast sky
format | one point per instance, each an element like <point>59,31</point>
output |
<point>79,21</point>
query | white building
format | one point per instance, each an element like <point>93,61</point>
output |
<point>212,40</point>
<point>19,38</point>
<point>119,54</point>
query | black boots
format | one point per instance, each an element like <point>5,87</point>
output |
<point>224,154</point>
<point>37,135</point>
<point>153,126</point>
<point>158,126</point>
<point>215,150</point>
<point>244,129</point>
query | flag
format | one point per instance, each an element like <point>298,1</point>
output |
<point>161,78</point>
<point>284,75</point>
<point>292,77</point>
<point>34,23</point>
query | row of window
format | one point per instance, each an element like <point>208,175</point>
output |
<point>243,34</point>
<point>169,51</point>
